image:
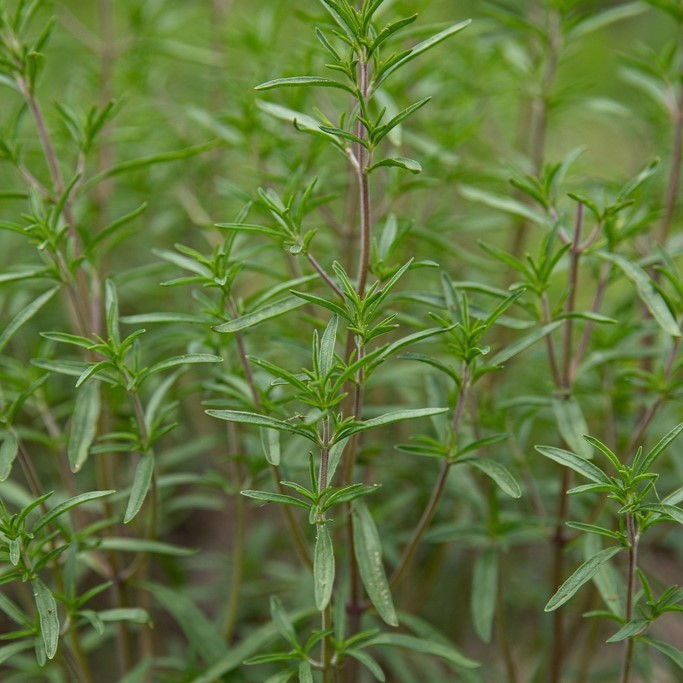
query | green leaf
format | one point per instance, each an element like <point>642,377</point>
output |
<point>424,646</point>
<point>576,463</point>
<point>484,592</point>
<point>630,630</point>
<point>327,344</point>
<point>397,162</point>
<point>323,567</point>
<point>8,651</point>
<point>181,360</point>
<point>83,425</point>
<point>66,506</point>
<point>599,20</point>
<point>400,60</point>
<point>522,344</point>
<point>47,612</point>
<point>305,673</point>
<point>245,417</point>
<point>646,291</point>
<point>594,529</point>
<point>604,450</point>
<point>279,498</point>
<point>368,551</point>
<point>368,662</point>
<point>348,493</point>
<point>141,484</point>
<point>499,473</point>
<point>304,81</point>
<point>662,444</point>
<point>282,621</point>
<point>583,574</point>
<point>135,615</point>
<point>143,545</point>
<point>202,633</point>
<point>265,313</point>
<point>572,425</point>
<point>270,442</point>
<point>8,452</point>
<point>505,204</point>
<point>24,316</point>
<point>388,418</point>
<point>673,653</point>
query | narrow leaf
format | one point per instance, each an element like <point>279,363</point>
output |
<point>8,452</point>
<point>368,550</point>
<point>630,630</point>
<point>575,462</point>
<point>282,621</point>
<point>47,612</point>
<point>658,449</point>
<point>673,653</point>
<point>583,574</point>
<point>390,418</point>
<point>572,425</point>
<point>484,592</point>
<point>83,424</point>
<point>424,646</point>
<point>182,360</point>
<point>647,293</point>
<point>323,568</point>
<point>305,673</point>
<point>524,343</point>
<point>25,315</point>
<point>141,484</point>
<point>245,417</point>
<point>280,498</point>
<point>398,162</point>
<point>304,81</point>
<point>66,506</point>
<point>499,473</point>
<point>143,545</point>
<point>266,313</point>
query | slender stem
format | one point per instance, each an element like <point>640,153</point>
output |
<point>323,274</point>
<point>633,537</point>
<point>363,157</point>
<point>572,284</point>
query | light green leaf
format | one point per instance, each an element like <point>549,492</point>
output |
<point>368,551</point>
<point>67,505</point>
<point>143,545</point>
<point>576,463</point>
<point>202,634</point>
<point>572,425</point>
<point>305,673</point>
<point>428,647</point>
<point>499,473</point>
<point>83,424</point>
<point>522,344</point>
<point>503,203</point>
<point>368,662</point>
<point>47,612</point>
<point>136,615</point>
<point>266,313</point>
<point>658,449</point>
<point>270,442</point>
<point>646,291</point>
<point>630,630</point>
<point>282,621</point>
<point>8,651</point>
<point>599,20</point>
<point>484,592</point>
<point>393,64</point>
<point>25,315</point>
<point>673,653</point>
<point>279,498</point>
<point>245,417</point>
<point>583,574</point>
<point>397,162</point>
<point>8,452</point>
<point>327,344</point>
<point>323,567</point>
<point>388,418</point>
<point>141,484</point>
<point>303,122</point>
<point>182,360</point>
<point>304,81</point>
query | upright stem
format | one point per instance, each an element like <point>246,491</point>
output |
<point>633,537</point>
<point>363,157</point>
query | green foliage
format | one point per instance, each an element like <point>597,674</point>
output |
<point>283,320</point>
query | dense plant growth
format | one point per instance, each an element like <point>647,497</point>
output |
<point>345,358</point>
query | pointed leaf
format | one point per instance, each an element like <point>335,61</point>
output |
<point>47,611</point>
<point>397,162</point>
<point>323,568</point>
<point>266,313</point>
<point>66,506</point>
<point>576,463</point>
<point>24,315</point>
<point>389,418</point>
<point>658,449</point>
<point>673,653</point>
<point>572,425</point>
<point>305,673</point>
<point>245,417</point>
<point>327,344</point>
<point>83,424</point>
<point>280,498</point>
<point>524,343</point>
<point>484,592</point>
<point>647,293</point>
<point>304,81</point>
<point>582,575</point>
<point>368,550</point>
<point>8,452</point>
<point>630,630</point>
<point>499,473</point>
<point>424,646</point>
<point>141,484</point>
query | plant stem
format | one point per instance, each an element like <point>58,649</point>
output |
<point>633,537</point>
<point>573,281</point>
<point>363,157</point>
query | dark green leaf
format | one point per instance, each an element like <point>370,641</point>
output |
<point>25,315</point>
<point>428,647</point>
<point>266,313</point>
<point>280,498</point>
<point>8,452</point>
<point>499,473</point>
<point>323,568</point>
<point>484,593</point>
<point>575,462</point>
<point>66,506</point>
<point>47,611</point>
<point>83,425</point>
<point>141,484</point>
